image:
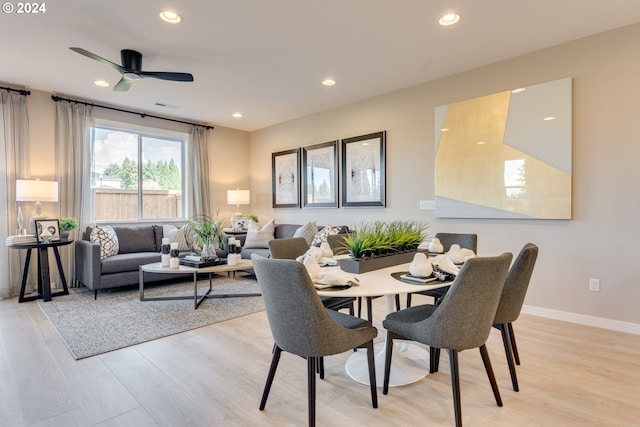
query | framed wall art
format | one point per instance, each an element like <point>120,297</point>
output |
<point>286,178</point>
<point>320,172</point>
<point>363,170</point>
<point>506,155</point>
<point>51,225</point>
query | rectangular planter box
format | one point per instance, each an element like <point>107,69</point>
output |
<point>351,265</point>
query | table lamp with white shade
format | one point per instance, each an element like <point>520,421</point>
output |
<point>237,197</point>
<point>34,190</point>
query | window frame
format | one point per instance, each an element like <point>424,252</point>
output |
<point>142,132</point>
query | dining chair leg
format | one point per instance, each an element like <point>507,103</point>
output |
<point>455,386</point>
<point>372,374</point>
<point>272,372</point>
<point>359,306</point>
<point>436,359</point>
<point>506,340</point>
<point>369,309</point>
<point>397,302</point>
<point>408,300</point>
<point>311,389</point>
<point>387,362</point>
<point>320,367</point>
<point>492,379</point>
<point>514,347</point>
<point>351,309</point>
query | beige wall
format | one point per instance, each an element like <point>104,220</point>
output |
<point>228,150</point>
<point>601,241</point>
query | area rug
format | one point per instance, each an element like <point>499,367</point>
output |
<point>118,318</point>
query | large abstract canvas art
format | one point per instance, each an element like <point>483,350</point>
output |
<point>506,155</point>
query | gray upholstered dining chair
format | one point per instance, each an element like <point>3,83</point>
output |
<point>292,248</point>
<point>465,240</point>
<point>461,321</point>
<point>511,301</point>
<point>301,325</point>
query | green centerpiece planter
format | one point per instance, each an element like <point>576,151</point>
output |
<point>382,244</point>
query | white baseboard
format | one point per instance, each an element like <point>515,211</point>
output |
<point>583,319</point>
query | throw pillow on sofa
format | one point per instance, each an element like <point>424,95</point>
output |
<point>106,237</point>
<point>258,238</point>
<point>179,236</point>
<point>321,236</point>
<point>308,231</point>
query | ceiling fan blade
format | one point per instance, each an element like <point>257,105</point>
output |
<point>123,85</point>
<point>98,58</point>
<point>178,77</point>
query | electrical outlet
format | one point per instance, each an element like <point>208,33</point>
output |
<point>427,205</point>
<point>594,285</point>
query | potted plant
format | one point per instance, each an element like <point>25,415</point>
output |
<point>208,233</point>
<point>382,244</point>
<point>66,225</point>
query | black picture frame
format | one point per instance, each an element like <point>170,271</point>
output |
<point>54,228</point>
<point>320,173</point>
<point>285,166</point>
<point>363,170</point>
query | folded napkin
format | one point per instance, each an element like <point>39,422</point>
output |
<point>327,278</point>
<point>459,255</point>
<point>444,263</point>
<point>322,255</point>
<point>334,278</point>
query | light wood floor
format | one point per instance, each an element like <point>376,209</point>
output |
<point>571,375</point>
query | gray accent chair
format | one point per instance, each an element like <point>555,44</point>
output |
<point>511,301</point>
<point>465,240</point>
<point>461,321</point>
<point>301,325</point>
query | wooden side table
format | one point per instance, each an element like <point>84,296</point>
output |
<point>44,282</point>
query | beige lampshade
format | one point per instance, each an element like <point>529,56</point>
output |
<point>238,197</point>
<point>33,190</point>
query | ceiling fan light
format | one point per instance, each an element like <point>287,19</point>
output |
<point>170,16</point>
<point>131,76</point>
<point>101,83</point>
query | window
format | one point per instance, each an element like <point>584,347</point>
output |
<point>137,175</point>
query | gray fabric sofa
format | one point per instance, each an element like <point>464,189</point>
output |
<point>139,245</point>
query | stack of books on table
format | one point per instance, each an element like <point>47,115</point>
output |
<point>20,240</point>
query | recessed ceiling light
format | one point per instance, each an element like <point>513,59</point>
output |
<point>170,16</point>
<point>444,130</point>
<point>449,19</point>
<point>480,142</point>
<point>101,83</point>
<point>328,82</point>
<point>237,115</point>
<point>549,118</point>
<point>520,89</point>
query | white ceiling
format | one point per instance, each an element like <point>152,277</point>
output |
<point>266,58</point>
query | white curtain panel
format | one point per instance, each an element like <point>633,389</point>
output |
<point>73,171</point>
<point>14,149</point>
<point>198,199</point>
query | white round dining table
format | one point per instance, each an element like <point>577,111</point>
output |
<point>410,360</point>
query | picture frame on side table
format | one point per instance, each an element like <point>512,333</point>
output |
<point>320,173</point>
<point>286,178</point>
<point>363,170</point>
<point>52,225</point>
<point>240,223</point>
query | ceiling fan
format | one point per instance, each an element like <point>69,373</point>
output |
<point>131,69</point>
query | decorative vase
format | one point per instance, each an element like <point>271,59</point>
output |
<point>209,249</point>
<point>64,234</point>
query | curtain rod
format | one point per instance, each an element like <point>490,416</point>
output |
<point>20,91</point>
<point>143,115</point>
